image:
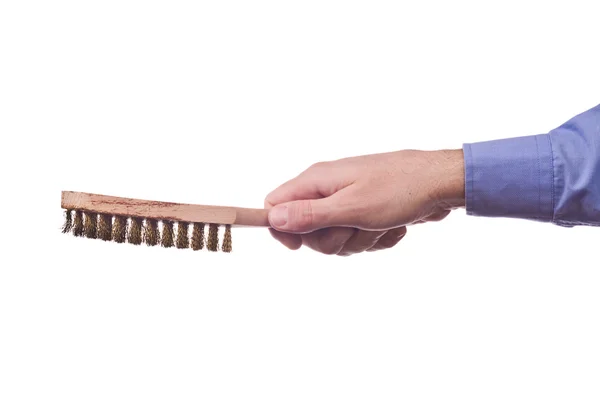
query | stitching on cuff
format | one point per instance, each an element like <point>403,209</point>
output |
<point>552,200</point>
<point>539,173</point>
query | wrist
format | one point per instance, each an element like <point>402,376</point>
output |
<point>449,173</point>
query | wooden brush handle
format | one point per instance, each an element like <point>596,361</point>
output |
<point>163,210</point>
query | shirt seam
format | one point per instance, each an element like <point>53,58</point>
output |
<point>539,177</point>
<point>552,200</point>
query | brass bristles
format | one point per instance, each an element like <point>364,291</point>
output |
<point>151,234</point>
<point>167,234</point>
<point>198,236</point>
<point>212,243</point>
<point>137,230</point>
<point>78,223</point>
<point>183,241</point>
<point>226,247</point>
<point>68,222</point>
<point>105,227</point>
<point>119,233</point>
<point>90,228</point>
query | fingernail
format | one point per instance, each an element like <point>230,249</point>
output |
<point>278,216</point>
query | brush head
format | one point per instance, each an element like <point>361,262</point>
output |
<point>155,223</point>
<point>136,230</point>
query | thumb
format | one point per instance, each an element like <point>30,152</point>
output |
<point>303,216</point>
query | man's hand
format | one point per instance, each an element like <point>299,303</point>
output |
<point>365,203</point>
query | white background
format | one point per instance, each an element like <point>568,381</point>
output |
<point>218,102</point>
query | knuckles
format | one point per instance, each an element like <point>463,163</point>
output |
<point>318,167</point>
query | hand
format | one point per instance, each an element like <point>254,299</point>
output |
<point>365,203</point>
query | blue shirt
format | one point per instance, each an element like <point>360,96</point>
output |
<point>552,177</point>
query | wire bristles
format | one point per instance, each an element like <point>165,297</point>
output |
<point>151,233</point>
<point>227,240</point>
<point>105,227</point>
<point>78,224</point>
<point>183,241</point>
<point>90,228</point>
<point>167,234</point>
<point>119,232</point>
<point>68,224</point>
<point>213,237</point>
<point>137,230</point>
<point>198,236</point>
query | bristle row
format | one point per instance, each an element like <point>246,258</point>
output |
<point>136,230</point>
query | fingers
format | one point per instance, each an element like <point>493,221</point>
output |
<point>289,240</point>
<point>390,239</point>
<point>361,241</point>
<point>309,202</point>
<point>342,241</point>
<point>329,240</point>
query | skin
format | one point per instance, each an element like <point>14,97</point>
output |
<point>365,203</point>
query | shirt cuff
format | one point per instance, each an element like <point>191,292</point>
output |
<point>510,178</point>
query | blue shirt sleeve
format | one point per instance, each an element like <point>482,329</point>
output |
<point>552,177</point>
